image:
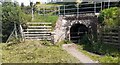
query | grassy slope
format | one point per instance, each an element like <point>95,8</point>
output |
<point>101,59</point>
<point>93,57</point>
<point>41,18</point>
<point>46,18</point>
<point>0,52</point>
<point>34,52</point>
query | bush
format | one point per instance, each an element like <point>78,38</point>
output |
<point>85,39</point>
<point>10,15</point>
<point>110,17</point>
<point>108,53</point>
<point>109,59</point>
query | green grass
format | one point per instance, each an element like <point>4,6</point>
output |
<point>46,18</point>
<point>35,52</point>
<point>93,57</point>
<point>108,52</point>
<point>1,45</point>
<point>41,18</point>
<point>107,58</point>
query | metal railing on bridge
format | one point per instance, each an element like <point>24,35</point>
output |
<point>74,9</point>
<point>83,8</point>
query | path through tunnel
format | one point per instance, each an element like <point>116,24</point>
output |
<point>77,32</point>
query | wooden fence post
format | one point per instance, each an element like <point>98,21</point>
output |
<point>111,38</point>
<point>109,4</point>
<point>101,6</point>
<point>100,34</point>
<point>58,10</point>
<point>77,10</point>
<point>94,7</point>
<point>69,33</point>
<point>52,37</point>
<point>119,35</point>
<point>64,10</point>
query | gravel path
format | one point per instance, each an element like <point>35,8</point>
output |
<point>71,48</point>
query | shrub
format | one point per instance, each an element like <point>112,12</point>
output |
<point>110,17</point>
<point>85,39</point>
<point>109,59</point>
<point>10,15</point>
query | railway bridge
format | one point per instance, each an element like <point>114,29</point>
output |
<point>77,27</point>
<point>81,19</point>
<point>75,20</point>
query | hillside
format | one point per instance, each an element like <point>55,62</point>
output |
<point>35,52</point>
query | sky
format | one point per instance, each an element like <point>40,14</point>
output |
<point>27,2</point>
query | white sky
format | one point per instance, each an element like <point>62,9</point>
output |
<point>27,2</point>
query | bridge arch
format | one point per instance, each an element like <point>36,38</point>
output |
<point>85,23</point>
<point>77,31</point>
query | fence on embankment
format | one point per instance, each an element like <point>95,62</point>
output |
<point>109,36</point>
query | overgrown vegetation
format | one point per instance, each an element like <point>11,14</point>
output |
<point>108,56</point>
<point>35,52</point>
<point>110,17</point>
<point>15,14</point>
<point>10,16</point>
<point>103,53</point>
<point>109,53</point>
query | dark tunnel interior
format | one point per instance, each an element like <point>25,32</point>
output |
<point>77,32</point>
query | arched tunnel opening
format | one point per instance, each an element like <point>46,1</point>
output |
<point>77,31</point>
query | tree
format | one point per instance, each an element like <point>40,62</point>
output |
<point>10,15</point>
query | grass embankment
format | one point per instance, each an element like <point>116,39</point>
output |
<point>46,18</point>
<point>1,53</point>
<point>41,18</point>
<point>101,52</point>
<point>35,52</point>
